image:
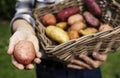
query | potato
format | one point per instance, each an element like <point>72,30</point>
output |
<point>24,52</point>
<point>57,34</point>
<point>49,19</point>
<point>62,25</point>
<point>105,27</point>
<point>73,34</point>
<point>91,20</point>
<point>89,30</point>
<point>78,26</point>
<point>75,18</point>
<point>93,7</point>
<point>66,13</point>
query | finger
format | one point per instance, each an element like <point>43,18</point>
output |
<point>38,54</point>
<point>35,42</point>
<point>74,66</point>
<point>37,60</point>
<point>29,66</point>
<point>11,46</point>
<point>99,57</point>
<point>17,65</point>
<point>36,46</point>
<point>80,63</point>
<point>88,60</point>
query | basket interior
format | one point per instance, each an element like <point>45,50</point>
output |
<point>110,13</point>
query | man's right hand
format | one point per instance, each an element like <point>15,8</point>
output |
<point>23,34</point>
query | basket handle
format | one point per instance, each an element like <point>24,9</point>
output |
<point>114,2</point>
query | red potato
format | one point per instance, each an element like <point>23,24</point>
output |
<point>91,20</point>
<point>24,52</point>
<point>78,26</point>
<point>75,18</point>
<point>66,13</point>
<point>49,19</point>
<point>93,7</point>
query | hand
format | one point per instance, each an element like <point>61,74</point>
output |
<point>87,62</point>
<point>23,35</point>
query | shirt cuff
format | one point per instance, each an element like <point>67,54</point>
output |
<point>28,18</point>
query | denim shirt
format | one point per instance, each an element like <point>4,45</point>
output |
<point>24,9</point>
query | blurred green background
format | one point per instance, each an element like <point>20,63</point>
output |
<point>110,69</point>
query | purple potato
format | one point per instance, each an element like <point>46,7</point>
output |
<point>93,7</point>
<point>91,20</point>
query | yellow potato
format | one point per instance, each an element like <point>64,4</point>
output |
<point>57,34</point>
<point>105,27</point>
<point>62,25</point>
<point>89,30</point>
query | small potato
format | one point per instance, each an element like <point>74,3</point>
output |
<point>89,30</point>
<point>75,18</point>
<point>73,34</point>
<point>62,25</point>
<point>105,27</point>
<point>49,19</point>
<point>78,26</point>
<point>91,20</point>
<point>57,34</point>
<point>93,7</point>
<point>24,52</point>
<point>64,14</point>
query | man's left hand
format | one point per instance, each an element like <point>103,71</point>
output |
<point>87,62</point>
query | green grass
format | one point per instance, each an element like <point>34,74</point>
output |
<point>110,69</point>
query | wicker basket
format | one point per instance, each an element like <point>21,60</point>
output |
<point>103,42</point>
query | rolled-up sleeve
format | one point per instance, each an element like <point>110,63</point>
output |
<point>24,11</point>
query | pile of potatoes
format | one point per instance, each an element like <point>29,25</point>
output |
<point>69,24</point>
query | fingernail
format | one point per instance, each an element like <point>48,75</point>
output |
<point>81,56</point>
<point>94,54</point>
<point>39,54</point>
<point>21,67</point>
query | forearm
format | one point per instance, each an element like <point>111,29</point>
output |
<point>21,24</point>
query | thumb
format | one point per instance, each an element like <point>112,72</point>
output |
<point>38,54</point>
<point>11,47</point>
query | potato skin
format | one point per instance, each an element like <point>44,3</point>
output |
<point>78,26</point>
<point>93,7</point>
<point>24,52</point>
<point>65,13</point>
<point>62,25</point>
<point>49,19</point>
<point>57,34</point>
<point>91,20</point>
<point>75,18</point>
<point>87,31</point>
<point>73,34</point>
<point>105,27</point>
